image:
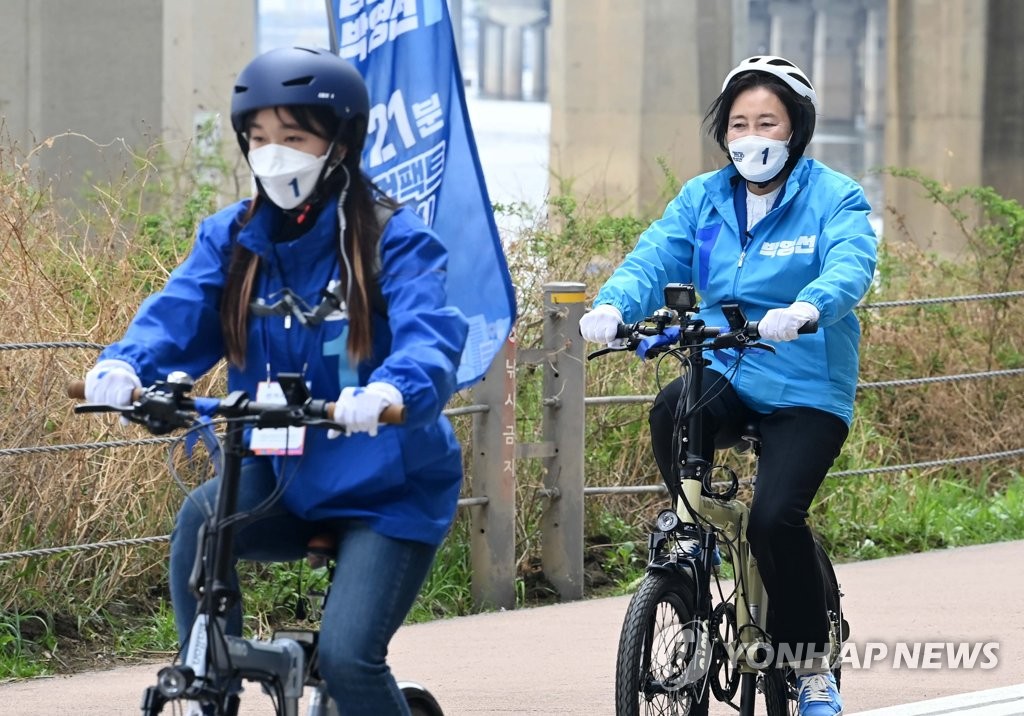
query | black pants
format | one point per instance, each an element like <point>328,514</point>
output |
<point>798,446</point>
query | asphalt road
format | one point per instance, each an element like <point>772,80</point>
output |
<point>910,617</point>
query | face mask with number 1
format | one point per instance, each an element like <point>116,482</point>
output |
<point>758,159</point>
<point>287,175</point>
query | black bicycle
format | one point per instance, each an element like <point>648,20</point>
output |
<point>215,663</point>
<point>688,634</point>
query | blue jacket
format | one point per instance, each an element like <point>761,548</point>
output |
<point>816,245</point>
<point>405,481</point>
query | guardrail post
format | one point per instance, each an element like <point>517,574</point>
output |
<point>562,522</point>
<point>493,524</point>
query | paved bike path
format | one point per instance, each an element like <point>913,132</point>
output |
<point>560,659</point>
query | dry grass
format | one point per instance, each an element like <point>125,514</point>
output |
<point>74,278</point>
<point>80,278</point>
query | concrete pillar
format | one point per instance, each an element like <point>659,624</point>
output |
<point>108,78</point>
<point>792,33</point>
<point>492,58</point>
<point>513,18</point>
<point>838,33</point>
<point>836,74</point>
<point>629,83</point>
<point>456,14</point>
<point>758,34</point>
<point>1002,161</point>
<point>512,87</point>
<point>875,34</point>
<point>939,74</point>
<point>539,62</point>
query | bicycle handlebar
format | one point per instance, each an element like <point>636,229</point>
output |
<point>164,407</point>
<point>692,332</point>
<point>627,331</point>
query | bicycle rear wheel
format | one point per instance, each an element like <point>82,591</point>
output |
<point>657,669</point>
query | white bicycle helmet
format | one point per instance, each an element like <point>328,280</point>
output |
<point>781,68</point>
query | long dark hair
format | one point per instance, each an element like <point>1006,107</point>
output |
<point>362,235</point>
<point>800,109</point>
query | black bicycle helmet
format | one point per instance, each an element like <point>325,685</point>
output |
<point>292,76</point>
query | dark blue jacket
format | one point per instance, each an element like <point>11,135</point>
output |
<point>405,481</point>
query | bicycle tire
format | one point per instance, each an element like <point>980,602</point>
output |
<point>656,623</point>
<point>779,685</point>
<point>779,688</point>
<point>420,701</point>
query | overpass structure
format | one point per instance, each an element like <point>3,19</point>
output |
<point>934,85</point>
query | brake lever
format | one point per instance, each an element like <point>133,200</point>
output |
<point>609,349</point>
<point>739,341</point>
<point>325,423</point>
<point>102,408</point>
<point>762,346</point>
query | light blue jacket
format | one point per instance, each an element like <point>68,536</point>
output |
<point>405,481</point>
<point>816,245</point>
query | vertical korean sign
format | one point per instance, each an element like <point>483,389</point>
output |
<point>420,150</point>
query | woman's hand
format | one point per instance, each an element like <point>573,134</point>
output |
<point>601,324</point>
<point>111,382</point>
<point>359,408</point>
<point>783,324</point>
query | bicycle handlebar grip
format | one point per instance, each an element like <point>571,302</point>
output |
<point>809,327</point>
<point>391,415</point>
<point>622,331</point>
<point>76,390</point>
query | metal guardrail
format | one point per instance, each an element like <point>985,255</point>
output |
<point>495,449</point>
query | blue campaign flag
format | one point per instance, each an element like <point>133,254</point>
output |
<point>420,150</point>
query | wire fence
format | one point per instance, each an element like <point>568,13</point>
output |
<point>475,410</point>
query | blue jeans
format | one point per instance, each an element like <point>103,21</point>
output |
<point>375,584</point>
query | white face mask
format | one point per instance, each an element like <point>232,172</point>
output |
<point>287,175</point>
<point>758,159</point>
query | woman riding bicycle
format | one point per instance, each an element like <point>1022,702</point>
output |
<point>788,239</point>
<point>323,275</point>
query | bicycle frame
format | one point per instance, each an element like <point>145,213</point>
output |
<point>214,661</point>
<point>213,657</point>
<point>730,517</point>
<point>728,640</point>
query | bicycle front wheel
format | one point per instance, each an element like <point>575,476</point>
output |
<point>660,667</point>
<point>420,701</point>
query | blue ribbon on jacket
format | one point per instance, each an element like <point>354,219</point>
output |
<point>203,429</point>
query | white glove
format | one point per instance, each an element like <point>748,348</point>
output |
<point>601,323</point>
<point>111,382</point>
<point>782,324</point>
<point>359,409</point>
